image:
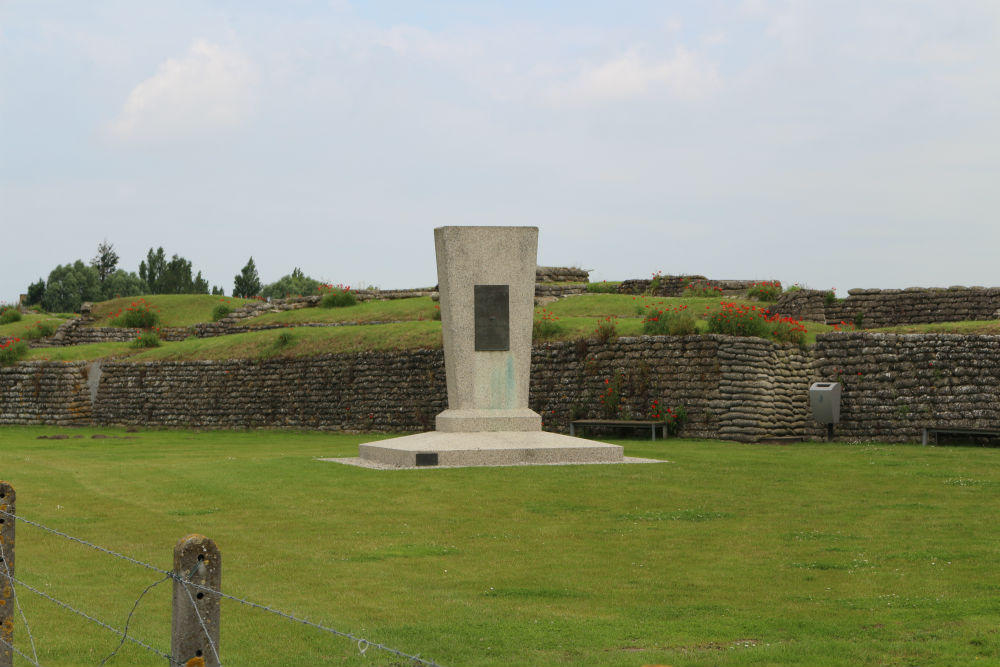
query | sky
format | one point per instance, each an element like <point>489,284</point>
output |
<point>830,144</point>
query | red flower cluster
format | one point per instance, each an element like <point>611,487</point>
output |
<point>742,320</point>
<point>702,288</point>
<point>9,343</point>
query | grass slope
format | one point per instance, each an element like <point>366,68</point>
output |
<point>175,310</point>
<point>729,555</point>
<point>20,328</point>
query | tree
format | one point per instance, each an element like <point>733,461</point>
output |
<point>151,270</point>
<point>200,285</point>
<point>122,283</point>
<point>218,291</point>
<point>35,292</point>
<point>176,277</point>
<point>294,283</point>
<point>69,286</point>
<point>247,284</point>
<point>105,260</point>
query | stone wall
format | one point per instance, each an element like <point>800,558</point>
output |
<point>895,385</point>
<point>674,285</point>
<point>561,274</point>
<point>380,391</point>
<point>737,388</point>
<point>890,307</point>
<point>44,392</point>
<point>746,389</point>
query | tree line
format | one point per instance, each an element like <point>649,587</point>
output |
<point>70,285</point>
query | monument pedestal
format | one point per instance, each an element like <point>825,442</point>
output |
<point>486,279</point>
<point>487,448</point>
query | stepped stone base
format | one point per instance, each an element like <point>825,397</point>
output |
<point>487,448</point>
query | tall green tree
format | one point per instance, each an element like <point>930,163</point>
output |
<point>35,292</point>
<point>105,260</point>
<point>151,270</point>
<point>69,286</point>
<point>176,277</point>
<point>122,283</point>
<point>247,283</point>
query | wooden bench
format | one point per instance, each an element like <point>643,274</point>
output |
<point>652,425</point>
<point>958,431</point>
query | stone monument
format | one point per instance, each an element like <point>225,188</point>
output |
<point>486,278</point>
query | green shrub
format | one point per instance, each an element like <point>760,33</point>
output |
<point>669,322</point>
<point>40,330</point>
<point>654,284</point>
<point>611,399</point>
<point>12,350</point>
<point>830,297</point>
<point>9,314</point>
<point>337,296</point>
<point>136,316</point>
<point>603,287</point>
<point>764,291</point>
<point>284,339</point>
<point>545,326</point>
<point>607,329</point>
<point>675,419</point>
<point>741,320</point>
<point>221,311</point>
<point>702,288</point>
<point>148,338</point>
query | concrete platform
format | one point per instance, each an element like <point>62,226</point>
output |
<point>487,448</point>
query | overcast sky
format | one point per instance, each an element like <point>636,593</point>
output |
<point>847,144</point>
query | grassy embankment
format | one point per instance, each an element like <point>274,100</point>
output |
<point>728,555</point>
<point>377,325</point>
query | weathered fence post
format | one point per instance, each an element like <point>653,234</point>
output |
<point>7,497</point>
<point>194,629</point>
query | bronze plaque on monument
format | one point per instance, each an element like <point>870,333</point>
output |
<point>492,317</point>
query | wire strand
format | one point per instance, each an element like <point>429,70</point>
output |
<point>197,613</point>
<point>247,603</point>
<point>17,602</point>
<point>66,605</point>
<point>19,652</point>
<point>129,619</point>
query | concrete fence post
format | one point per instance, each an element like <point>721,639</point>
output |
<point>7,497</point>
<point>194,632</point>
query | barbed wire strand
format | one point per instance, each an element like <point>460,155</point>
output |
<point>340,633</point>
<point>66,605</point>
<point>204,629</point>
<point>129,619</point>
<point>247,603</point>
<point>17,602</point>
<point>19,652</point>
<point>85,543</point>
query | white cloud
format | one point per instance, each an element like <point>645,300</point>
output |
<point>208,91</point>
<point>685,76</point>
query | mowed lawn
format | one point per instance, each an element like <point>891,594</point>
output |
<point>729,554</point>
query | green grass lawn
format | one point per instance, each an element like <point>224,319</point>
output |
<point>991,327</point>
<point>727,555</point>
<point>416,308</point>
<point>175,310</point>
<point>20,328</point>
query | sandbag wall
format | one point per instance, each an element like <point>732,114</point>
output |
<point>45,392</point>
<point>890,307</point>
<point>896,385</point>
<point>370,391</point>
<point>735,388</point>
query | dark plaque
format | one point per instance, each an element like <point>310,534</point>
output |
<point>427,458</point>
<point>492,317</point>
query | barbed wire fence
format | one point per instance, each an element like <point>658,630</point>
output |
<point>197,593</point>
